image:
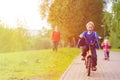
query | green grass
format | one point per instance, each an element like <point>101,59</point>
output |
<point>116,50</point>
<point>44,64</point>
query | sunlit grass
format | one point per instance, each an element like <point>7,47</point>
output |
<point>116,50</point>
<point>45,64</point>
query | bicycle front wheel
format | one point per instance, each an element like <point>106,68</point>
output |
<point>88,66</point>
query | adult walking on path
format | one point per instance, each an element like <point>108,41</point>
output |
<point>107,70</point>
<point>55,38</point>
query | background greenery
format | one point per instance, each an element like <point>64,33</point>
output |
<point>71,17</point>
<point>20,39</point>
<point>111,21</point>
<point>45,64</point>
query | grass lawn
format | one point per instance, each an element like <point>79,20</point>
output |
<point>43,64</point>
<point>116,50</point>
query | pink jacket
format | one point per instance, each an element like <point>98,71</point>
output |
<point>106,46</point>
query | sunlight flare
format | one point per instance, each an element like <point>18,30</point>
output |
<point>25,12</point>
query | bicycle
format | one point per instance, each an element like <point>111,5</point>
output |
<point>88,60</point>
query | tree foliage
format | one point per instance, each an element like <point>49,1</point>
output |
<point>115,26</point>
<point>106,21</point>
<point>72,15</point>
<point>112,23</point>
<point>20,39</point>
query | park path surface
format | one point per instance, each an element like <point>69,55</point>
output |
<point>106,70</point>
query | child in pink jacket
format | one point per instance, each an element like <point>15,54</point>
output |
<point>106,48</point>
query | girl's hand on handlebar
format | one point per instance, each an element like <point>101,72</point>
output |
<point>100,38</point>
<point>81,37</point>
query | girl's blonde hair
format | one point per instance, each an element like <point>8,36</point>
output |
<point>90,23</point>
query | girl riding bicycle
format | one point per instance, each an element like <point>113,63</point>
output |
<point>90,35</point>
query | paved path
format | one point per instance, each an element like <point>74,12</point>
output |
<point>106,70</point>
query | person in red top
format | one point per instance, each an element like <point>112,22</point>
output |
<point>106,48</point>
<point>55,38</point>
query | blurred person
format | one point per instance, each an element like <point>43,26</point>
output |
<point>55,38</point>
<point>88,37</point>
<point>106,48</point>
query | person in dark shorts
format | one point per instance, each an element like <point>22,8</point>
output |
<point>55,38</point>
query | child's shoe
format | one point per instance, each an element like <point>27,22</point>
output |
<point>94,68</point>
<point>83,58</point>
<point>105,58</point>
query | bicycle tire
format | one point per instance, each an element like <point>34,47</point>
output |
<point>88,66</point>
<point>86,63</point>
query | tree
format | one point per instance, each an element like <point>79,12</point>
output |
<point>115,26</point>
<point>107,19</point>
<point>111,21</point>
<point>72,15</point>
